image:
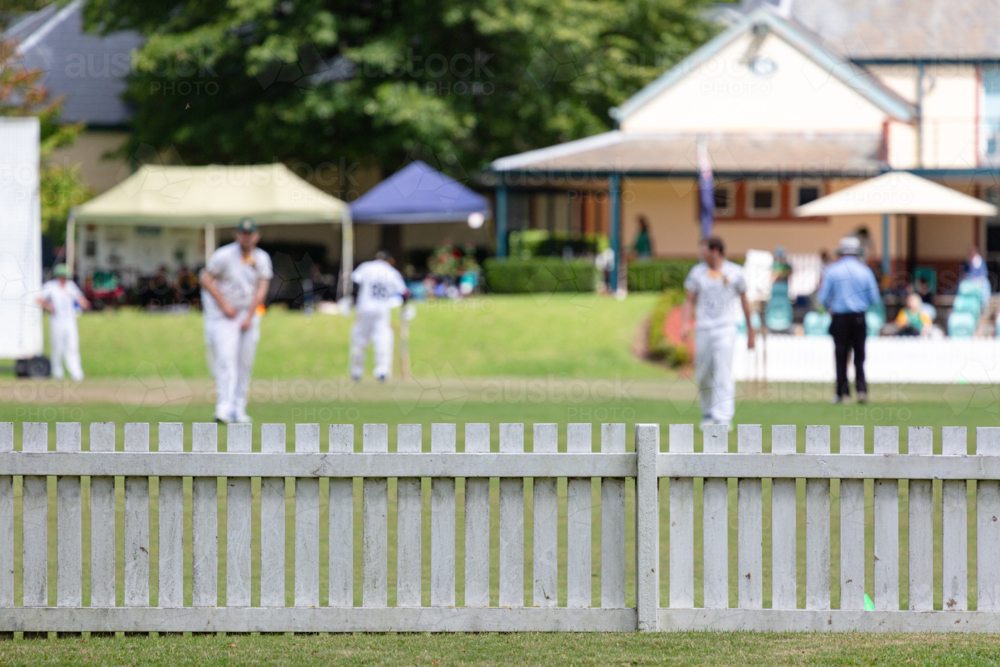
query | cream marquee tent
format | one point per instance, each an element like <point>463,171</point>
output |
<point>216,195</point>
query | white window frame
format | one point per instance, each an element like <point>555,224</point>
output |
<point>730,210</point>
<point>752,211</point>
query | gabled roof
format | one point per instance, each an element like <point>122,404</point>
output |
<point>886,30</point>
<point>89,70</point>
<point>851,75</point>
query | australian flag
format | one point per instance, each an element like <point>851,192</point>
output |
<point>706,192</point>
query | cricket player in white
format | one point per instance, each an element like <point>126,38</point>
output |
<point>60,298</point>
<point>234,286</point>
<point>714,288</point>
<point>380,289</point>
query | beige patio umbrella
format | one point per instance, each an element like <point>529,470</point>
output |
<point>896,192</point>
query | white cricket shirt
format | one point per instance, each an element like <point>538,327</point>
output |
<point>381,287</point>
<point>718,294</point>
<point>235,277</point>
<point>63,299</point>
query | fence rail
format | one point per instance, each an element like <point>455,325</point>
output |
<point>694,482</point>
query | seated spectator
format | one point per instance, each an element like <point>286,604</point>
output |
<point>913,319</point>
<point>781,270</point>
<point>924,291</point>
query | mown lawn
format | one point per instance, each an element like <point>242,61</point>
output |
<point>531,335</point>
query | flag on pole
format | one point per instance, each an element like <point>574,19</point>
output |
<point>706,191</point>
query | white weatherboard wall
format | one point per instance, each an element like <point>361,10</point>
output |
<point>887,360</point>
<point>399,452</point>
<point>20,239</point>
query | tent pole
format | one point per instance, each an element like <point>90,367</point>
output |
<point>209,242</point>
<point>346,256</point>
<point>885,244</point>
<point>71,242</point>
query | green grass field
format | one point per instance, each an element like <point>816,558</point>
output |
<point>525,360</point>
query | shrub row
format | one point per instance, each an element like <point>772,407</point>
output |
<point>529,243</point>
<point>523,276</point>
<point>655,275</point>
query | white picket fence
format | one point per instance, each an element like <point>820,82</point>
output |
<point>579,464</point>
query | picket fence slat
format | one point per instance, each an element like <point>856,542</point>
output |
<point>886,570</point>
<point>852,526</point>
<point>443,466</point>
<point>35,513</point>
<point>409,439</point>
<point>613,513</point>
<point>6,521</point>
<point>272,522</point>
<point>681,523</point>
<point>341,552</point>
<point>511,522</point>
<point>443,440</point>
<point>170,525</point>
<point>954,527</point>
<point>375,510</point>
<point>784,516</point>
<point>477,523</point>
<point>579,439</point>
<point>920,441</point>
<point>136,523</point>
<point>102,522</point>
<point>750,519</point>
<point>545,527</point>
<point>715,507</point>
<point>307,523</point>
<point>817,525</point>
<point>204,523</point>
<point>988,527</point>
<point>69,524</point>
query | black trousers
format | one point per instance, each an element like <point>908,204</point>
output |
<point>848,331</point>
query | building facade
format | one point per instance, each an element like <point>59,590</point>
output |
<point>795,100</point>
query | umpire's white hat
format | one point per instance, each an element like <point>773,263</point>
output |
<point>849,245</point>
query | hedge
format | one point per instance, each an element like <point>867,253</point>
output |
<point>658,346</point>
<point>522,276</point>
<point>529,243</point>
<point>656,275</point>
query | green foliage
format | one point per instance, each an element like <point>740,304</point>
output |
<point>542,243</point>
<point>455,83</point>
<point>61,187</point>
<point>540,276</point>
<point>658,346</point>
<point>655,275</point>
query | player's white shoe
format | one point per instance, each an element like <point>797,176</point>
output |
<point>243,418</point>
<point>222,419</point>
<point>707,421</point>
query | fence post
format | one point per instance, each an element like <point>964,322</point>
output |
<point>647,532</point>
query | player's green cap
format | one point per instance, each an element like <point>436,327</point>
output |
<point>60,271</point>
<point>246,226</point>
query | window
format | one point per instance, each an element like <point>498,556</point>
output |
<point>807,193</point>
<point>763,201</point>
<point>991,113</point>
<point>725,200</point>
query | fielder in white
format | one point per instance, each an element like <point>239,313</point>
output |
<point>60,297</point>
<point>234,286</point>
<point>380,289</point>
<point>714,288</point>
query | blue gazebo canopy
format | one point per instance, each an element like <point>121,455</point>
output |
<point>417,194</point>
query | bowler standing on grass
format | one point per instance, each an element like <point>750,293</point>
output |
<point>714,288</point>
<point>234,286</point>
<point>380,289</point>
<point>60,297</point>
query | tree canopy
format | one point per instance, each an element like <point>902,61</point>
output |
<point>372,81</point>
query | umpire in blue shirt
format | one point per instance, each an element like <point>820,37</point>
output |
<point>847,290</point>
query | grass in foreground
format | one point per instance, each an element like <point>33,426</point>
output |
<point>738,649</point>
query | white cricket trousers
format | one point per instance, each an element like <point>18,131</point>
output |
<point>372,328</point>
<point>233,352</point>
<point>65,342</point>
<point>713,368</point>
